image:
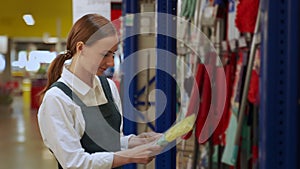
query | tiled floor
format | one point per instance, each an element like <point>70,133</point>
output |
<point>21,146</point>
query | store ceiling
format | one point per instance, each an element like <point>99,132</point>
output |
<point>47,15</point>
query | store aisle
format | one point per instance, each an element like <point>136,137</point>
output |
<point>20,144</point>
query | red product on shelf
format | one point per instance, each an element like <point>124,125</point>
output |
<point>195,95</point>
<point>204,107</point>
<point>246,15</point>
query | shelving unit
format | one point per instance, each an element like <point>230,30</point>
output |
<point>279,114</point>
<point>279,108</point>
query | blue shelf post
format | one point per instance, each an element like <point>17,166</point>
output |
<point>279,87</point>
<point>166,59</point>
<point>130,46</point>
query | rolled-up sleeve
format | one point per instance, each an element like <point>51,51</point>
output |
<point>124,141</point>
<point>58,125</point>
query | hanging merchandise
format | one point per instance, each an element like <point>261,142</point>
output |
<point>244,99</point>
<point>195,95</point>
<point>255,135</point>
<point>241,69</point>
<point>204,105</point>
<point>234,101</point>
<point>218,137</point>
<point>236,63</point>
<point>188,81</point>
<point>220,2</point>
<point>231,35</point>
<point>198,12</point>
<point>205,76</point>
<point>253,98</point>
<point>253,94</point>
<point>202,84</point>
<point>246,15</point>
<point>244,153</point>
<point>235,104</point>
<point>204,87</point>
<point>209,15</point>
<point>238,107</point>
<point>219,134</point>
<point>229,147</point>
<point>232,31</point>
<point>188,9</point>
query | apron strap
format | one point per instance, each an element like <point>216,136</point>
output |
<point>75,98</point>
<point>106,88</point>
<point>68,92</point>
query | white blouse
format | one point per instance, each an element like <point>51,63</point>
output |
<point>62,124</point>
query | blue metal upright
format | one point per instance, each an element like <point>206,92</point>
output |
<point>130,46</point>
<point>165,80</point>
<point>279,88</point>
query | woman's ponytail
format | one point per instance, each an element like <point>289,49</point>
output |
<point>55,69</point>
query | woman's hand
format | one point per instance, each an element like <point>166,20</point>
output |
<point>143,138</point>
<point>142,154</point>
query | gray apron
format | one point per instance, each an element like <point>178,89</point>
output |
<point>102,122</point>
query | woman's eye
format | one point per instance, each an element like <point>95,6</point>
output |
<point>108,54</point>
<point>104,54</point>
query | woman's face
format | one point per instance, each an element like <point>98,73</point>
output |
<point>100,55</point>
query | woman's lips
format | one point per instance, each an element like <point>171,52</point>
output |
<point>102,69</point>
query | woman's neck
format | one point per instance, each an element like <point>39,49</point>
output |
<point>81,73</point>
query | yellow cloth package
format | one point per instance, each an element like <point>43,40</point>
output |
<point>179,129</point>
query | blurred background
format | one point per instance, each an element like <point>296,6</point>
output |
<point>257,42</point>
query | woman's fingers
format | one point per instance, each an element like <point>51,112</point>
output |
<point>145,153</point>
<point>149,134</point>
<point>143,138</point>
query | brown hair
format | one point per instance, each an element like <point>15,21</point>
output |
<point>86,30</point>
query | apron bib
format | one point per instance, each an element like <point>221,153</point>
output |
<point>102,122</point>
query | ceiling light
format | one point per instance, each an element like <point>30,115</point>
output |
<point>28,19</point>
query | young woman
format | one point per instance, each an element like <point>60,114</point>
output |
<point>79,117</point>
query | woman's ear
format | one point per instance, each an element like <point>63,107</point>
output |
<point>79,46</point>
